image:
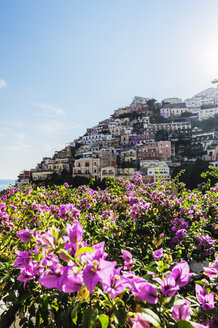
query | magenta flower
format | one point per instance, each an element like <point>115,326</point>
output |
<point>49,240</point>
<point>206,300</point>
<point>127,256</point>
<point>23,258</point>
<point>139,321</point>
<point>99,253</point>
<point>75,232</point>
<point>68,210</point>
<point>27,273</point>
<point>169,286</point>
<point>212,270</point>
<point>198,325</point>
<point>137,178</point>
<point>117,284</point>
<point>133,281</point>
<point>181,312</point>
<point>69,281</point>
<point>179,223</point>
<point>128,261</point>
<point>50,278</point>
<point>177,239</point>
<point>158,254</point>
<point>147,292</point>
<point>200,292</point>
<point>24,235</point>
<point>98,271</point>
<point>181,274</point>
<point>206,244</point>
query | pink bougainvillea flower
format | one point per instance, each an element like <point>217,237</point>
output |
<point>206,300</point>
<point>212,270</point>
<point>158,254</point>
<point>126,255</point>
<point>169,286</point>
<point>181,274</point>
<point>24,235</point>
<point>50,277</point>
<point>23,258</point>
<point>128,261</point>
<point>118,284</point>
<point>147,292</point>
<point>49,239</point>
<point>75,232</point>
<point>139,321</point>
<point>98,271</point>
<point>181,312</point>
<point>27,273</point>
<point>70,281</point>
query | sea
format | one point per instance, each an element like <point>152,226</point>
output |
<point>5,183</point>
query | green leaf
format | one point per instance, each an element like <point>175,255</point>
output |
<point>89,318</point>
<point>199,282</point>
<point>184,324</point>
<point>74,313</point>
<point>174,300</point>
<point>151,268</point>
<point>55,306</point>
<point>121,316</point>
<point>84,250</point>
<point>151,317</point>
<point>104,320</point>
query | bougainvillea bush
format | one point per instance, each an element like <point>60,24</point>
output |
<point>132,255</point>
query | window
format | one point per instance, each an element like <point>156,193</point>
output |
<point>87,164</point>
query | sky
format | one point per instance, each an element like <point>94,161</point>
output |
<point>66,65</point>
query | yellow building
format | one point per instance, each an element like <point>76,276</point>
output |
<point>126,173</point>
<point>108,172</point>
<point>41,175</point>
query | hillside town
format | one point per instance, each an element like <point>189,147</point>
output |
<point>147,136</point>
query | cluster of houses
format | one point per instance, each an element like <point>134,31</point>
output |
<point>147,137</point>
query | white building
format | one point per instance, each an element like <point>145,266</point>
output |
<point>193,102</point>
<point>205,97</point>
<point>174,126</point>
<point>156,169</point>
<point>204,114</point>
<point>173,100</point>
<point>205,138</point>
<point>95,138</point>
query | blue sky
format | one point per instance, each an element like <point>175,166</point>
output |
<point>66,65</point>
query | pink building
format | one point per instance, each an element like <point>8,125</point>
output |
<point>149,151</point>
<point>164,148</point>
